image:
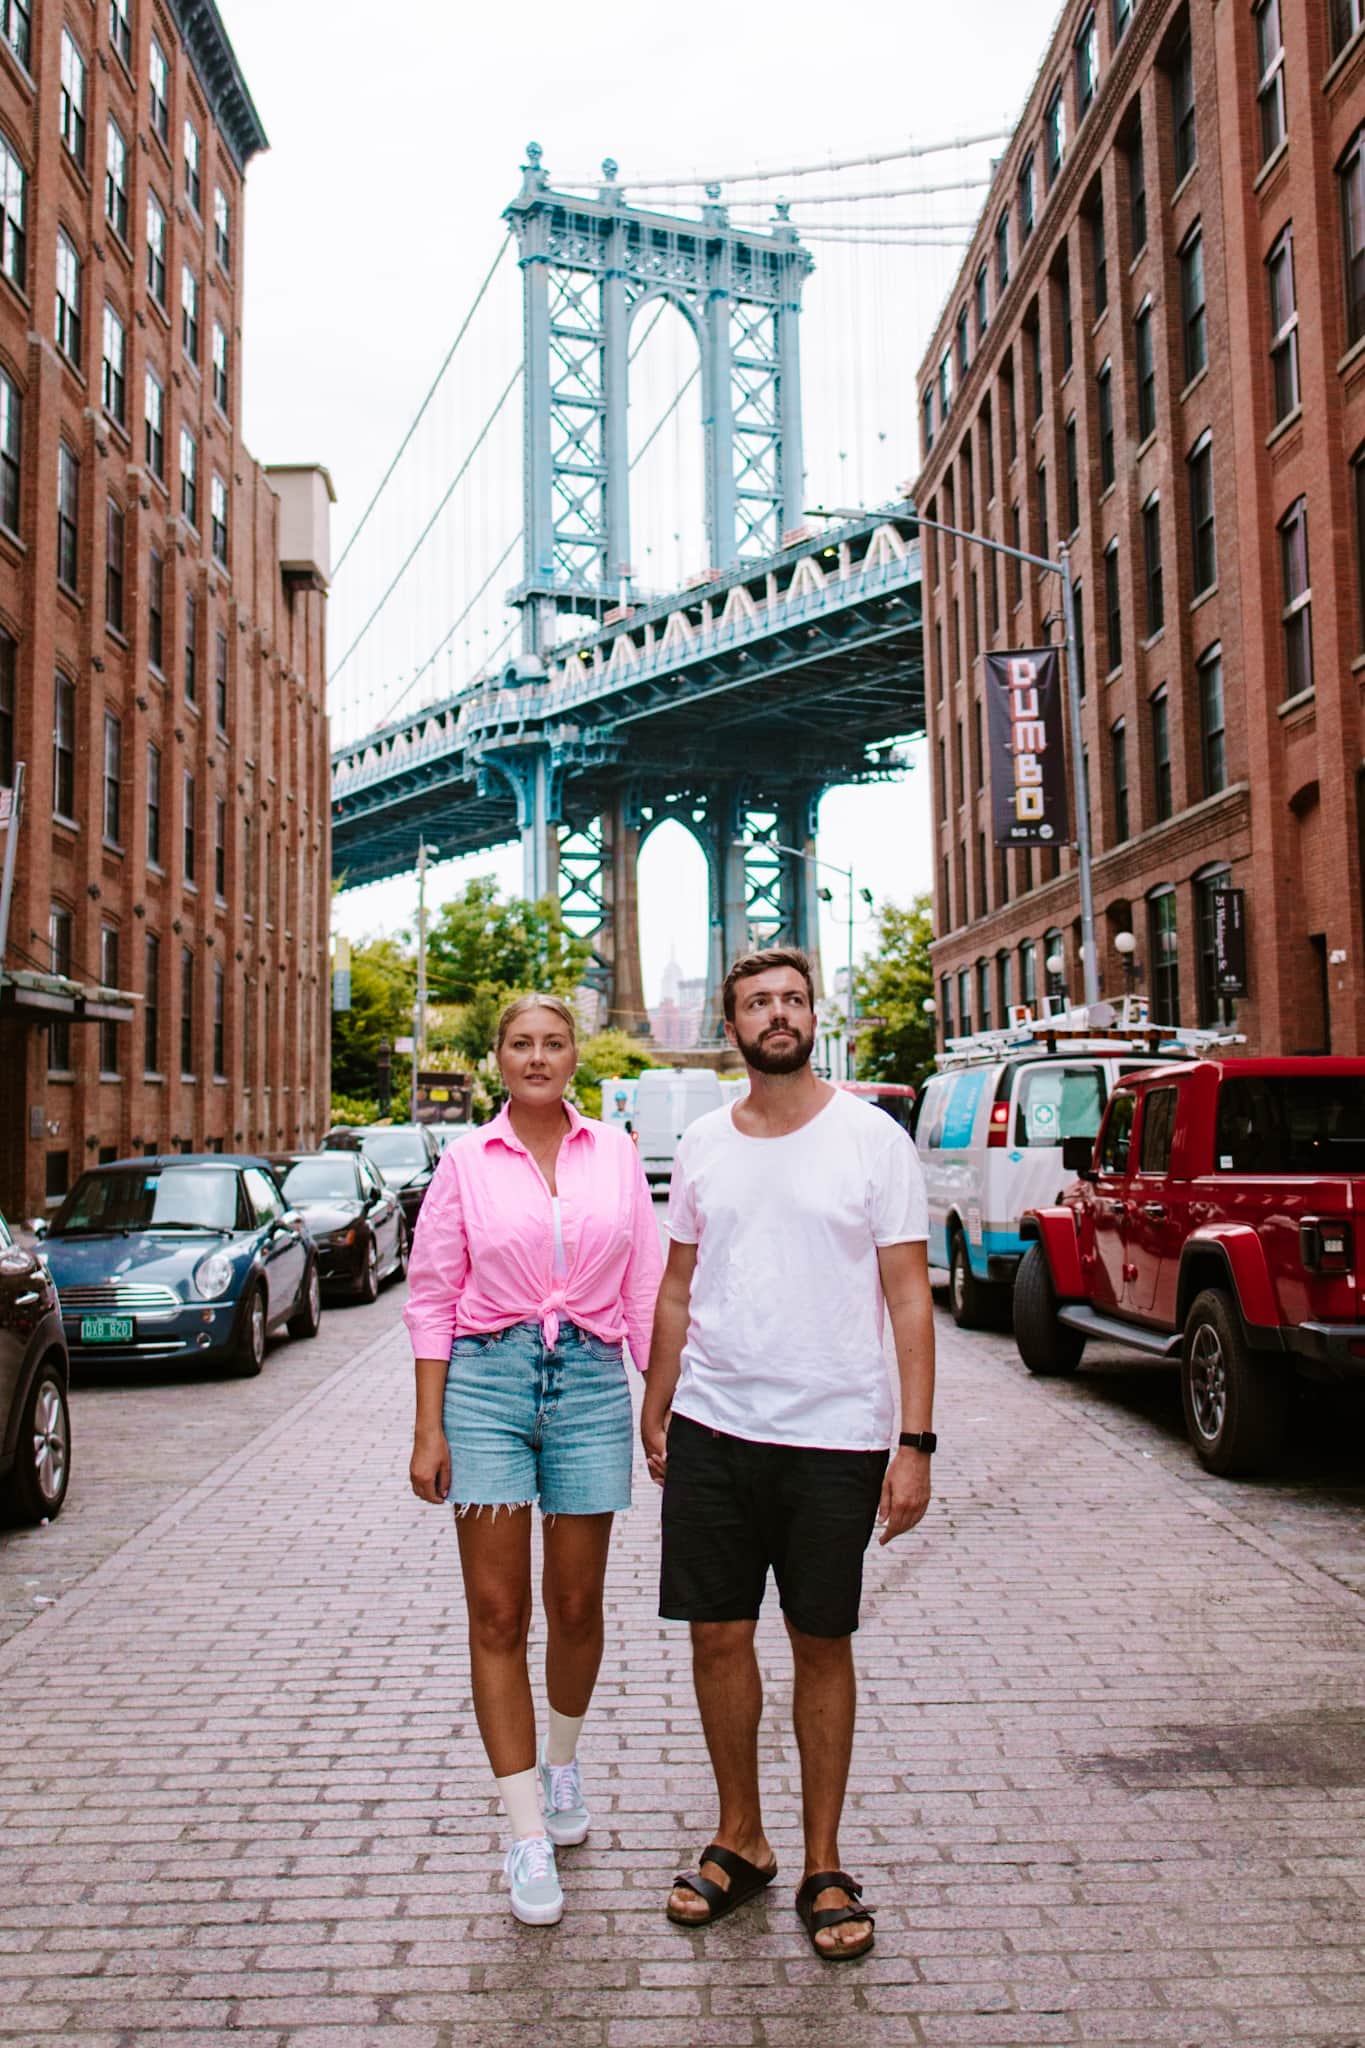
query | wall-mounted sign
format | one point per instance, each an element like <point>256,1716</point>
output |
<point>1027,769</point>
<point>1229,941</point>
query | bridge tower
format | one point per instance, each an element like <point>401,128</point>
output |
<point>589,266</point>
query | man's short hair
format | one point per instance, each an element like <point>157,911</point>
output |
<point>763,962</point>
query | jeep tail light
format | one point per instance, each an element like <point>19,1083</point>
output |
<point>1325,1244</point>
<point>998,1135</point>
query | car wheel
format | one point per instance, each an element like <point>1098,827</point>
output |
<point>1236,1405</point>
<point>1048,1347</point>
<point>250,1354</point>
<point>42,1465</point>
<point>369,1278</point>
<point>968,1298</point>
<point>306,1320</point>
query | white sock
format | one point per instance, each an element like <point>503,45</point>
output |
<point>520,1795</point>
<point>561,1744</point>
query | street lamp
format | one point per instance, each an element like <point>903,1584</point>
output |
<point>1055,965</point>
<point>1125,944</point>
<point>814,860</point>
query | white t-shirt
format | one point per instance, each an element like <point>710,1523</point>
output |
<point>784,1340</point>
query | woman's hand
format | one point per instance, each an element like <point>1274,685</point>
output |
<point>429,1470</point>
<point>654,1437</point>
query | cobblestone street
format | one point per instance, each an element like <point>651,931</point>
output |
<point>1109,1784</point>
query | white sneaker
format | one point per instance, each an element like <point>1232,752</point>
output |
<point>529,1868</point>
<point>567,1819</point>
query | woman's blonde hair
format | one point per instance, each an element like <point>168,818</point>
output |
<point>518,1008</point>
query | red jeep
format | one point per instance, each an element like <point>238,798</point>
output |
<point>1216,1221</point>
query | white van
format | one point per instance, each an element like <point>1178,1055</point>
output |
<point>667,1100</point>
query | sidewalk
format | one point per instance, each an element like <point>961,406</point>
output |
<point>1109,1784</point>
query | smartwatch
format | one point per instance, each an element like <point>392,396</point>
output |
<point>918,1440</point>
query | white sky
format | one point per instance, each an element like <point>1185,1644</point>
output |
<point>396,141</point>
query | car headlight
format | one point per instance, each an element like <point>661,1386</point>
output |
<point>213,1276</point>
<point>334,1240</point>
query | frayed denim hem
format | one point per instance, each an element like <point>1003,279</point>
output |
<point>493,1508</point>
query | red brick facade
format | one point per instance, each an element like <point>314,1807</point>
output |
<point>227,869</point>
<point>1163,257</point>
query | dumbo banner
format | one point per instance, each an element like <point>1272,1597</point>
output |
<point>1028,772</point>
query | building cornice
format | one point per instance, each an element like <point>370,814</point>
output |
<point>215,61</point>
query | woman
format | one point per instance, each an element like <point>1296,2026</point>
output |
<point>535,1253</point>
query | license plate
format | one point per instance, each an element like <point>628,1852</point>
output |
<point>106,1329</point>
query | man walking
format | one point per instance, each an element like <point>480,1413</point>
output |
<point>767,1414</point>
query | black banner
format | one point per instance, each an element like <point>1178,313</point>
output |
<point>1028,770</point>
<point>1229,941</point>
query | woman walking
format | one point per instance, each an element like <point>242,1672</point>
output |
<point>535,1254</point>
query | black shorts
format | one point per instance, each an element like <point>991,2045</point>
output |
<point>733,1508</point>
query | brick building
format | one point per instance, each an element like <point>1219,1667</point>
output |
<point>1155,351</point>
<point>161,621</point>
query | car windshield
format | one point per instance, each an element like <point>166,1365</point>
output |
<point>395,1148</point>
<point>1053,1104</point>
<point>1291,1123</point>
<point>321,1180</point>
<point>158,1198</point>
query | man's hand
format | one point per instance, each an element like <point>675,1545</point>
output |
<point>905,1494</point>
<point>654,1437</point>
<point>429,1470</point>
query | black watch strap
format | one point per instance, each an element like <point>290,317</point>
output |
<point>918,1440</point>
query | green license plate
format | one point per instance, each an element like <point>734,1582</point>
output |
<point>106,1329</point>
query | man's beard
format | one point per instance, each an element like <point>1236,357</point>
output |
<point>787,1058</point>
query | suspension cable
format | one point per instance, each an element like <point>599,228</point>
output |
<point>453,486</point>
<point>892,192</point>
<point>503,247</point>
<point>664,418</point>
<point>447,637</point>
<point>848,163</point>
<point>871,239</point>
<point>893,227</point>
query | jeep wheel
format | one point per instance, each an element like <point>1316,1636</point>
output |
<point>968,1298</point>
<point>1048,1347</point>
<point>1236,1405</point>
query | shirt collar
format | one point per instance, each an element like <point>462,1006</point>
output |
<point>500,1130</point>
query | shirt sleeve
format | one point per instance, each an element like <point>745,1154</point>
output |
<point>898,1202</point>
<point>440,1264</point>
<point>681,1219</point>
<point>644,1267</point>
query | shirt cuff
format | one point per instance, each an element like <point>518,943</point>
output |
<point>432,1339</point>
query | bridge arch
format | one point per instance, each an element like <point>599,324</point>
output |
<point>666,441</point>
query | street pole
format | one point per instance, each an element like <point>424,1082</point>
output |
<point>419,1018</point>
<point>813,860</point>
<point>850,1006</point>
<point>16,808</point>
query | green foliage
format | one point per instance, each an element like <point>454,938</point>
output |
<point>894,984</point>
<point>383,984</point>
<point>354,1109</point>
<point>481,944</point>
<point>606,1054</point>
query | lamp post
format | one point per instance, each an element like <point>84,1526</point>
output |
<point>1055,964</point>
<point>1125,945</point>
<point>930,1009</point>
<point>814,860</point>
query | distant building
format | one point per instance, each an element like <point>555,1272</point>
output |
<point>676,1019</point>
<point>1155,351</point>
<point>162,605</point>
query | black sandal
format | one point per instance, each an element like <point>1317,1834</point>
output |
<point>834,1916</point>
<point>746,1881</point>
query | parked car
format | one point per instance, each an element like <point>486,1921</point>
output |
<point>406,1155</point>
<point>35,1451</point>
<point>667,1100</point>
<point>192,1257</point>
<point>356,1222</point>
<point>1215,1222</point>
<point>446,1134</point>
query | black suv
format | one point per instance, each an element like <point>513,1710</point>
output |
<point>35,1451</point>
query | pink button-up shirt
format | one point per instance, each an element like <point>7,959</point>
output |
<point>483,1253</point>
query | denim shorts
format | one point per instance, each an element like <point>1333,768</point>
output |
<point>526,1423</point>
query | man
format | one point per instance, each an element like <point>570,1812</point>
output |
<point>767,1414</point>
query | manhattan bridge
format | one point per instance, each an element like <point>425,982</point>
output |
<point>789,663</point>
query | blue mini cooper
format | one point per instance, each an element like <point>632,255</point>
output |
<point>189,1258</point>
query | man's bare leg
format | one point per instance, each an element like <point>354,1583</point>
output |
<point>730,1698</point>
<point>824,1708</point>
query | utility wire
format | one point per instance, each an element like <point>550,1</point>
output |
<point>503,247</point>
<point>848,163</point>
<point>482,436</point>
<point>444,642</point>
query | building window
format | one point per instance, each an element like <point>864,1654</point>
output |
<point>222,228</point>
<point>59,962</point>
<point>1044,537</point>
<point>1192,308</point>
<point>1003,984</point>
<point>220,681</point>
<point>1121,14</point>
<point>194,168</point>
<point>116,179</point>
<point>1202,535</point>
<point>946,1006</point>
<point>1105,390</point>
<point>1358,481</point>
<point>153,804</point>
<point>1161,754</point>
<point>189,477</point>
<point>1137,192</point>
<point>1078,614</point>
<point>1035,339</point>
<point>109,1060</point>
<point>13,216</point>
<point>1113,616</point>
<point>1144,361</point>
<point>1016,566</point>
<point>1284,325</point>
<point>1214,1008</point>
<point>927,422</point>
<point>1087,64</point>
<point>191,649</point>
<point>156,610</point>
<point>1064,316</point>
<point>64,748</point>
<point>1054,135</point>
<point>982,311</point>
<point>1212,727</point>
<point>113,778</point>
<point>189,312</point>
<point>154,418</point>
<point>186,1014</point>
<point>68,324</point>
<point>1352,175</point>
<point>220,847</point>
<point>6,711</point>
<point>1073,477</point>
<point>1002,253</point>
<point>1346,17</point>
<point>1297,616</point>
<point>1028,973</point>
<point>159,90</point>
<point>11,451</point>
<point>983,995</point>
<point>1118,756</point>
<point>151,1002</point>
<point>156,249</point>
<point>218,519</point>
<point>113,565</point>
<point>1099,259</point>
<point>964,1002</point>
<point>1163,955</point>
<point>1185,142</point>
<point>219,1049</point>
<point>1151,564</point>
<point>945,386</point>
<point>121,30</point>
<point>221,390</point>
<point>1270,89</point>
<point>68,515</point>
<point>189,826</point>
<point>964,347</point>
<point>113,368</point>
<point>987,450</point>
<point>72,99</point>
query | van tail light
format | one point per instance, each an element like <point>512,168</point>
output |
<point>1325,1244</point>
<point>998,1135</point>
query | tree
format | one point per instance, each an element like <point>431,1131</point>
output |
<point>607,1054</point>
<point>895,984</point>
<point>383,984</point>
<point>481,944</point>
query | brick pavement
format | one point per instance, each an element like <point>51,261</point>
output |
<point>1108,1787</point>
